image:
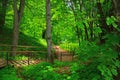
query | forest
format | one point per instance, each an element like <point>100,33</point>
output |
<point>59,39</point>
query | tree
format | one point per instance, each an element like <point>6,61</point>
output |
<point>74,8</point>
<point>18,12</point>
<point>34,18</point>
<point>48,31</point>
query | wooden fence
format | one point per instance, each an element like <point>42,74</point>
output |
<point>29,52</point>
<point>33,53</point>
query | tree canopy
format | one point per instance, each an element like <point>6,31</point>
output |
<point>91,29</point>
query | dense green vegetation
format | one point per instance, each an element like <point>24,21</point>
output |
<point>88,28</point>
<point>8,73</point>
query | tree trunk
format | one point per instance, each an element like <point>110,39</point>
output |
<point>48,32</point>
<point>91,30</point>
<point>17,17</point>
<point>86,32</point>
<point>78,34</point>
<point>116,4</point>
<point>103,23</point>
<point>117,8</point>
<point>15,29</point>
<point>2,13</point>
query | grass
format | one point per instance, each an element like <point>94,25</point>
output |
<point>6,38</point>
<point>69,46</point>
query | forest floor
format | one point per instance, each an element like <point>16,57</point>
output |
<point>62,55</point>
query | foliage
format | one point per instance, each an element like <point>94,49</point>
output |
<point>62,64</point>
<point>70,27</point>
<point>19,57</point>
<point>69,46</point>
<point>8,73</point>
<point>33,21</point>
<point>40,72</point>
<point>99,62</point>
<point>112,21</point>
<point>40,45</point>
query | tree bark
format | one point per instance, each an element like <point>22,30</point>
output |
<point>17,17</point>
<point>103,23</point>
<point>91,30</point>
<point>48,32</point>
<point>78,35</point>
<point>86,32</point>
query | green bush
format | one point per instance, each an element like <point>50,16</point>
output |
<point>43,71</point>
<point>8,73</point>
<point>96,62</point>
<point>69,46</point>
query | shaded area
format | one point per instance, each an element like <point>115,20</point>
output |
<point>8,73</point>
<point>6,38</point>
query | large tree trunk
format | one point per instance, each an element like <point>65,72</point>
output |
<point>17,17</point>
<point>48,32</point>
<point>3,5</point>
<point>15,28</point>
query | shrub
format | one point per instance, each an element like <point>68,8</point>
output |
<point>8,73</point>
<point>96,62</point>
<point>43,71</point>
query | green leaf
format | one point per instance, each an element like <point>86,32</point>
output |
<point>115,25</point>
<point>114,72</point>
<point>108,21</point>
<point>98,29</point>
<point>101,1</point>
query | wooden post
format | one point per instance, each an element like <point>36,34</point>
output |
<point>60,56</point>
<point>7,58</point>
<point>72,56</point>
<point>46,58</point>
<point>28,58</point>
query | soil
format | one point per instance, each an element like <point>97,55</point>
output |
<point>3,62</point>
<point>62,55</point>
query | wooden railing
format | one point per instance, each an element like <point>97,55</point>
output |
<point>5,51</point>
<point>30,52</point>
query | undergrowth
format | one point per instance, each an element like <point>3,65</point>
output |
<point>8,73</point>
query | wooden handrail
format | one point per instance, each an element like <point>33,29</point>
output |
<point>19,46</point>
<point>24,51</point>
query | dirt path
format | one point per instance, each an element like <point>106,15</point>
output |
<point>2,62</point>
<point>62,55</point>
